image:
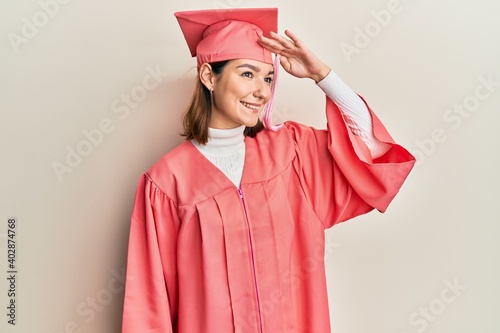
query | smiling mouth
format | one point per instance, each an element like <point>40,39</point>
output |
<point>253,107</point>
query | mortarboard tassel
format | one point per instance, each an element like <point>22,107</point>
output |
<point>268,108</point>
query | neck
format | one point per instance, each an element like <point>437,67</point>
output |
<point>223,141</point>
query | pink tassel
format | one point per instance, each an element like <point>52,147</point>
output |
<point>268,109</point>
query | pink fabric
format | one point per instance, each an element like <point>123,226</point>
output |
<point>224,34</point>
<point>228,40</point>
<point>202,260</point>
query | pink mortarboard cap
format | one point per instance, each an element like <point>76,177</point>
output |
<point>223,34</point>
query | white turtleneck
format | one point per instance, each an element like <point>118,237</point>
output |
<point>226,150</point>
<point>226,147</point>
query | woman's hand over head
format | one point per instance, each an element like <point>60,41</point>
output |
<point>295,57</point>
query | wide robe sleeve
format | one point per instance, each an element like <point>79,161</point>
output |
<point>337,174</point>
<point>150,304</point>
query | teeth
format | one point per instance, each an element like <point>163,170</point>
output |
<point>253,107</point>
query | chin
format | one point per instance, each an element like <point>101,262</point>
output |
<point>251,123</point>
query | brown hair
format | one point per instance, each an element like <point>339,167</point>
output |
<point>197,118</point>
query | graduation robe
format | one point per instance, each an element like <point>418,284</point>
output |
<point>208,257</point>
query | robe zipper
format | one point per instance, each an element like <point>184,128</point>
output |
<point>240,192</point>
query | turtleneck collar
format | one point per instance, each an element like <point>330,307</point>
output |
<point>223,141</point>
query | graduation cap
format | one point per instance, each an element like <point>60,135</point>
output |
<point>223,34</point>
<point>215,35</point>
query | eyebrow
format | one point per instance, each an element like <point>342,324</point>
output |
<point>254,68</point>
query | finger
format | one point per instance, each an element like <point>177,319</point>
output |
<point>270,44</point>
<point>286,43</point>
<point>267,41</point>
<point>285,63</point>
<point>273,45</point>
<point>296,40</point>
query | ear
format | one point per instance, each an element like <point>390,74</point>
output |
<point>207,76</point>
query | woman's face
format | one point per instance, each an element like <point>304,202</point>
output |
<point>240,93</point>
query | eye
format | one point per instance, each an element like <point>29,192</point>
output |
<point>247,74</point>
<point>269,80</point>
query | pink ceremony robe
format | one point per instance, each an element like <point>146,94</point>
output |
<point>207,257</point>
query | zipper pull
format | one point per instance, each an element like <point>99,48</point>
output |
<point>240,192</point>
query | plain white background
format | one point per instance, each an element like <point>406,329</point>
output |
<point>72,150</point>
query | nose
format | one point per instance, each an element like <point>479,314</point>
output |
<point>262,90</point>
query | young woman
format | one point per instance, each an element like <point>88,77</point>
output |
<point>227,232</point>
